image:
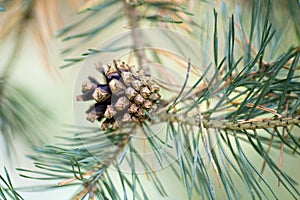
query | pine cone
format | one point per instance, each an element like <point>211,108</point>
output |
<point>125,98</point>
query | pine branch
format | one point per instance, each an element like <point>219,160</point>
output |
<point>18,109</point>
<point>252,124</point>
<point>23,15</point>
<point>8,191</point>
<point>135,12</point>
<point>207,123</point>
<point>138,44</point>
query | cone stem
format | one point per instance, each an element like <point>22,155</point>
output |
<point>138,44</point>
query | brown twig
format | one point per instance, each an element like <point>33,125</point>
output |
<point>138,43</point>
<point>253,124</point>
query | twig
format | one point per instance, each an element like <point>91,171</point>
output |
<point>138,43</point>
<point>261,123</point>
<point>91,174</point>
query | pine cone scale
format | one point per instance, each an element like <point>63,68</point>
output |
<point>125,98</point>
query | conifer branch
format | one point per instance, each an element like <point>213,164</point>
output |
<point>7,190</point>
<point>138,44</point>
<point>18,109</point>
<point>251,124</point>
<point>256,103</point>
<point>20,29</point>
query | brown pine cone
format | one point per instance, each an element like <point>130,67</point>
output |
<point>125,98</point>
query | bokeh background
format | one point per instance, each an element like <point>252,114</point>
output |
<point>55,92</point>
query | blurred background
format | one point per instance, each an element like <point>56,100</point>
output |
<point>36,71</point>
